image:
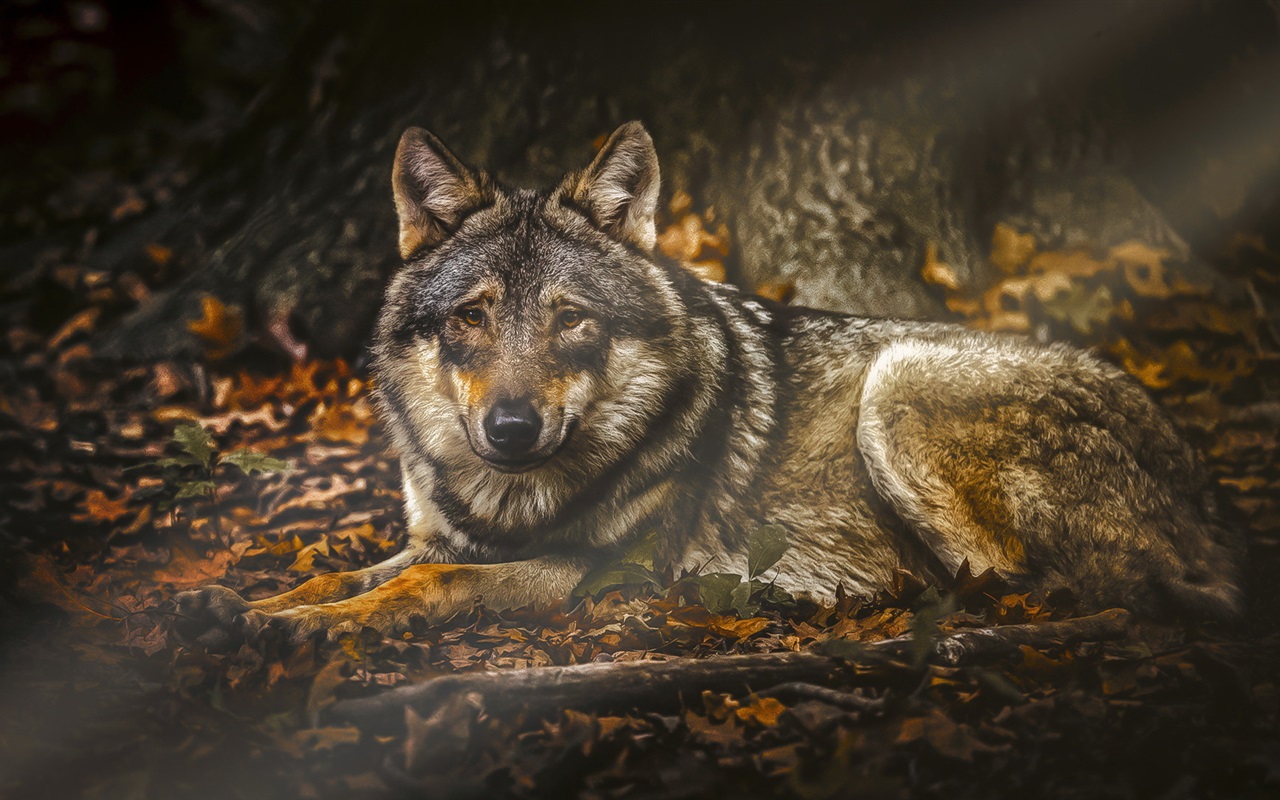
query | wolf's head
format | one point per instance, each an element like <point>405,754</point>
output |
<point>530,334</point>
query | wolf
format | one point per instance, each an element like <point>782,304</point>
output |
<point>555,389</point>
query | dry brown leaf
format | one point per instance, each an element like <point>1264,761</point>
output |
<point>98,508</point>
<point>42,579</point>
<point>777,292</point>
<point>342,421</point>
<point>305,560</point>
<point>168,414</point>
<point>940,733</point>
<point>82,322</point>
<point>1162,368</point>
<point>689,241</point>
<point>1011,250</point>
<point>188,568</point>
<point>131,204</point>
<point>938,273</point>
<point>1068,264</point>
<point>762,711</point>
<point>159,254</point>
<point>29,410</point>
<point>317,498</point>
<point>263,416</point>
<point>220,327</point>
<point>727,734</point>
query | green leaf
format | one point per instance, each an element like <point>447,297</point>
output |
<point>642,551</point>
<point>196,442</point>
<point>183,460</point>
<point>249,462</point>
<point>740,601</point>
<point>930,608</point>
<point>614,575</point>
<point>193,489</point>
<point>715,590</point>
<point>766,547</point>
<point>774,595</point>
<point>999,686</point>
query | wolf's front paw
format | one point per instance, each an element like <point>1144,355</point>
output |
<point>207,616</point>
<point>293,626</point>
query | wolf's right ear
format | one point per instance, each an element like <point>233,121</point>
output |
<point>620,188</point>
<point>434,191</point>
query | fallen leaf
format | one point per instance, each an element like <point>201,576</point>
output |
<point>1011,250</point>
<point>98,508</point>
<point>220,327</point>
<point>188,568</point>
<point>762,711</point>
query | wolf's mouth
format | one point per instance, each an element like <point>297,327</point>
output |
<point>515,466</point>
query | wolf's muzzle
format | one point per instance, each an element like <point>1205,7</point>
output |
<point>512,427</point>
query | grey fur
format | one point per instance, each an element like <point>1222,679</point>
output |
<point>878,444</point>
<point>687,407</point>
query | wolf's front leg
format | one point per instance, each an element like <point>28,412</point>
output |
<point>215,606</point>
<point>430,593</point>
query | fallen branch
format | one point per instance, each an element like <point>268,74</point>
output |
<point>847,701</point>
<point>662,685</point>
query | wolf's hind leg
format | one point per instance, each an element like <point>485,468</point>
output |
<point>1050,467</point>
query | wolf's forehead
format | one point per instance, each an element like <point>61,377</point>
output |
<point>531,256</point>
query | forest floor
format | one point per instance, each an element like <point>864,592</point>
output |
<point>101,697</point>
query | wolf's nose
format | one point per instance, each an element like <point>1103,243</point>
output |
<point>512,426</point>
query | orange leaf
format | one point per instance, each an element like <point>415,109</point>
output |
<point>343,422</point>
<point>1011,250</point>
<point>97,508</point>
<point>159,254</point>
<point>80,323</point>
<point>187,568</point>
<point>220,327</point>
<point>938,272</point>
<point>306,556</point>
<point>762,711</point>
<point>44,581</point>
<point>777,292</point>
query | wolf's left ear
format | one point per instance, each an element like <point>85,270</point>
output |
<point>434,191</point>
<point>620,188</point>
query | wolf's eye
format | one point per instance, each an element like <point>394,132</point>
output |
<point>571,318</point>
<point>472,316</point>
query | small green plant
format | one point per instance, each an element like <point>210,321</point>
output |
<point>193,473</point>
<point>719,592</point>
<point>722,592</point>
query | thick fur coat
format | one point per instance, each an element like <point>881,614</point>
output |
<point>554,390</point>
